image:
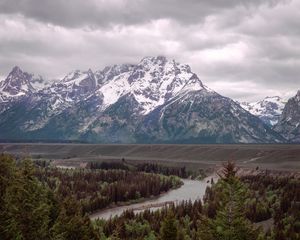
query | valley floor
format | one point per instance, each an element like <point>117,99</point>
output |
<point>281,157</point>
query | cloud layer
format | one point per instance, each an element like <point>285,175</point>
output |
<point>244,51</point>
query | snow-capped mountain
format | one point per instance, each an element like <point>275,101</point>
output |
<point>269,109</point>
<point>156,100</point>
<point>18,85</point>
<point>152,82</point>
<point>289,122</point>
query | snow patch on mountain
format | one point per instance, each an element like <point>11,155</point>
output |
<point>269,109</point>
<point>114,89</point>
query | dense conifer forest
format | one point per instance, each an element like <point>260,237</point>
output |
<point>97,189</point>
<point>233,208</point>
<point>41,202</point>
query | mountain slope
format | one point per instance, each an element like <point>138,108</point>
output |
<point>289,123</point>
<point>156,100</point>
<point>204,117</point>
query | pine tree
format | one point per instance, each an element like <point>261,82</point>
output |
<point>168,229</point>
<point>7,175</point>
<point>230,222</point>
<point>29,210</point>
<point>26,210</point>
<point>71,224</point>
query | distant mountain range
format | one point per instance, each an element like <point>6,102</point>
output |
<point>155,101</point>
<point>269,109</point>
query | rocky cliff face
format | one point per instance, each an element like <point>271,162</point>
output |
<point>289,122</point>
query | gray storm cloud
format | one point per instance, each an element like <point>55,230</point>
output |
<point>242,49</point>
<point>74,13</point>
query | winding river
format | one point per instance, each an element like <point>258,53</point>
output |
<point>190,190</point>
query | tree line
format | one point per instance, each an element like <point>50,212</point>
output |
<point>181,172</point>
<point>97,189</point>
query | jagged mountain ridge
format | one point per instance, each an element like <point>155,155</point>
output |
<point>268,110</point>
<point>19,83</point>
<point>156,100</point>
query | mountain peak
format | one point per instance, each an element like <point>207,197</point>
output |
<point>153,81</point>
<point>16,69</point>
<point>18,73</point>
<point>77,84</point>
<point>273,100</point>
<point>268,109</point>
<point>155,59</point>
<point>17,83</point>
<point>273,97</point>
<point>153,62</point>
<point>297,97</point>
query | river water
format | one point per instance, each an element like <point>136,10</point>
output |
<point>190,190</point>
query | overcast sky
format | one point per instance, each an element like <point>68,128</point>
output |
<point>245,50</point>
